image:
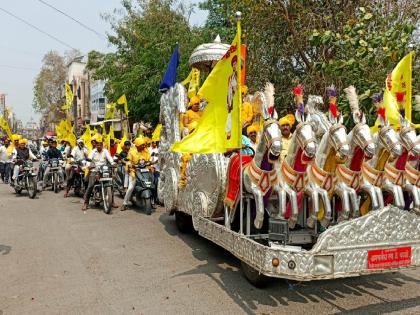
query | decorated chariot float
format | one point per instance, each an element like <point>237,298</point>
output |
<point>336,206</point>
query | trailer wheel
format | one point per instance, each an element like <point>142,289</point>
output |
<point>253,276</point>
<point>183,222</point>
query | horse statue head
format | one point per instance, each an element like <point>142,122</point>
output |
<point>361,140</point>
<point>330,129</point>
<point>270,138</point>
<point>408,137</point>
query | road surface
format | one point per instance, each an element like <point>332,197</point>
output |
<point>54,259</point>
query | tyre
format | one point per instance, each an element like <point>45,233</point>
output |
<point>253,276</point>
<point>18,190</point>
<point>184,222</point>
<point>147,203</point>
<point>32,187</point>
<point>55,183</point>
<point>107,200</point>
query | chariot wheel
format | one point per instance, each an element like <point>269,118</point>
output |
<point>253,276</point>
<point>184,222</point>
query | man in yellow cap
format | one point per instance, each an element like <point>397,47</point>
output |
<point>134,156</point>
<point>20,154</point>
<point>97,158</point>
<point>252,134</point>
<point>193,114</point>
<point>286,124</point>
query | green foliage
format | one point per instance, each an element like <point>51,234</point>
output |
<point>319,43</point>
<point>49,83</point>
<point>144,39</point>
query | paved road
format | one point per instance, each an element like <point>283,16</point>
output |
<point>56,260</point>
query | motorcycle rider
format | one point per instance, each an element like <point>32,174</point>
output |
<point>52,153</point>
<point>97,157</point>
<point>44,148</point>
<point>79,153</point>
<point>134,156</point>
<point>126,147</point>
<point>21,153</point>
<point>3,159</point>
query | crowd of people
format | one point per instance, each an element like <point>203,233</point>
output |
<point>124,155</point>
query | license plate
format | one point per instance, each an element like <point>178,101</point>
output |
<point>389,258</point>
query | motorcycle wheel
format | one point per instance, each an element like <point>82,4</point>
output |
<point>55,183</point>
<point>32,187</point>
<point>18,190</point>
<point>147,203</point>
<point>107,200</point>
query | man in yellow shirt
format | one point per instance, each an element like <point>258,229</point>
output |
<point>193,114</point>
<point>247,112</point>
<point>286,124</point>
<point>140,152</point>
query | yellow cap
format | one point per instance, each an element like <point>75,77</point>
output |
<point>250,129</point>
<point>15,137</point>
<point>23,141</point>
<point>99,139</point>
<point>244,89</point>
<point>287,120</point>
<point>139,141</point>
<point>194,100</point>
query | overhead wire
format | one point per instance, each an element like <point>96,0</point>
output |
<point>37,28</point>
<point>74,19</point>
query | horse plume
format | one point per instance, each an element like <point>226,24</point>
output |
<point>269,95</point>
<point>351,95</point>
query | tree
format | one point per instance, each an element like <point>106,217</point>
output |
<point>320,42</point>
<point>49,83</point>
<point>144,40</point>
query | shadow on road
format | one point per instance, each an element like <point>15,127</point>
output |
<point>224,269</point>
<point>5,249</point>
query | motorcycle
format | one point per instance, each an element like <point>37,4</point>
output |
<point>79,183</point>
<point>103,188</point>
<point>144,189</point>
<point>26,178</point>
<point>55,166</point>
<point>119,177</point>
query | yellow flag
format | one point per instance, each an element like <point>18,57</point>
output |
<point>86,137</point>
<point>69,98</point>
<point>123,139</point>
<point>110,111</point>
<point>123,101</point>
<point>156,133</point>
<point>219,128</point>
<point>398,93</point>
<point>4,124</point>
<point>111,133</point>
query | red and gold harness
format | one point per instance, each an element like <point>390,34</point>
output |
<point>263,179</point>
<point>297,180</point>
<point>412,174</point>
<point>323,178</point>
<point>372,175</point>
<point>349,177</point>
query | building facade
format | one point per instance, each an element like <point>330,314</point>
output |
<point>98,101</point>
<point>78,78</point>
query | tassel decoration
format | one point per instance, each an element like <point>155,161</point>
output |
<point>298,93</point>
<point>332,95</point>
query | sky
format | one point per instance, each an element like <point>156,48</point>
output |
<point>22,47</point>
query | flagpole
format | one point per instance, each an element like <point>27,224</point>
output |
<point>238,16</point>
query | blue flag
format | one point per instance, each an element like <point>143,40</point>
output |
<point>169,79</point>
